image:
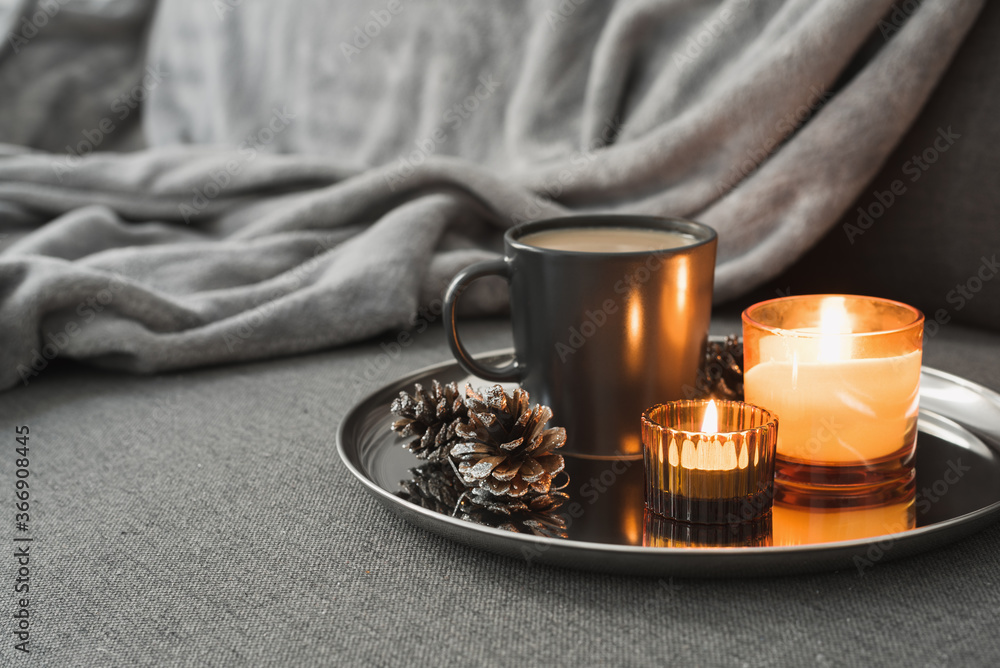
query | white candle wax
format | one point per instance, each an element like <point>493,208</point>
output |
<point>837,411</point>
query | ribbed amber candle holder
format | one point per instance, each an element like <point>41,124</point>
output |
<point>726,476</point>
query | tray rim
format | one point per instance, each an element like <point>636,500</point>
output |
<point>431,518</point>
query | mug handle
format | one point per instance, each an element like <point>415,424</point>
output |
<point>510,372</point>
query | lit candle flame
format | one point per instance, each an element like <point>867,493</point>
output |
<point>834,321</point>
<point>710,423</point>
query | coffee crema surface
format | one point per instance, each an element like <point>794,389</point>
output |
<point>607,239</point>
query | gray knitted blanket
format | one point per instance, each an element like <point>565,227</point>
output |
<point>312,173</point>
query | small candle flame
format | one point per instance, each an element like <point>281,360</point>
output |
<point>710,423</point>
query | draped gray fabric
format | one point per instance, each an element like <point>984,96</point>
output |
<point>316,171</point>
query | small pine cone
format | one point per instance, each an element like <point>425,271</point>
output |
<point>503,444</point>
<point>430,415</point>
<point>433,486</point>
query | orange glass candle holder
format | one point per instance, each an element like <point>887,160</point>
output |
<point>706,469</point>
<point>843,374</point>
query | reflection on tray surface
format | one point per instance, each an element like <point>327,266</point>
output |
<point>826,518</point>
<point>807,522</point>
<point>610,509</point>
<point>662,531</point>
<point>437,487</point>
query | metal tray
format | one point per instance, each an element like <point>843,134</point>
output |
<point>958,493</point>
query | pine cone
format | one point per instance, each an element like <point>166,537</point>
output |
<point>723,371</point>
<point>431,416</point>
<point>504,445</point>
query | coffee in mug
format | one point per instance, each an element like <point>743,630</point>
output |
<point>607,239</point>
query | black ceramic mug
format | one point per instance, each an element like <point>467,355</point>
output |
<point>602,334</point>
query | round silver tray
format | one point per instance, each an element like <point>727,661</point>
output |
<point>958,492</point>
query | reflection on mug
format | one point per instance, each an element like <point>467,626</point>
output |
<point>660,531</point>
